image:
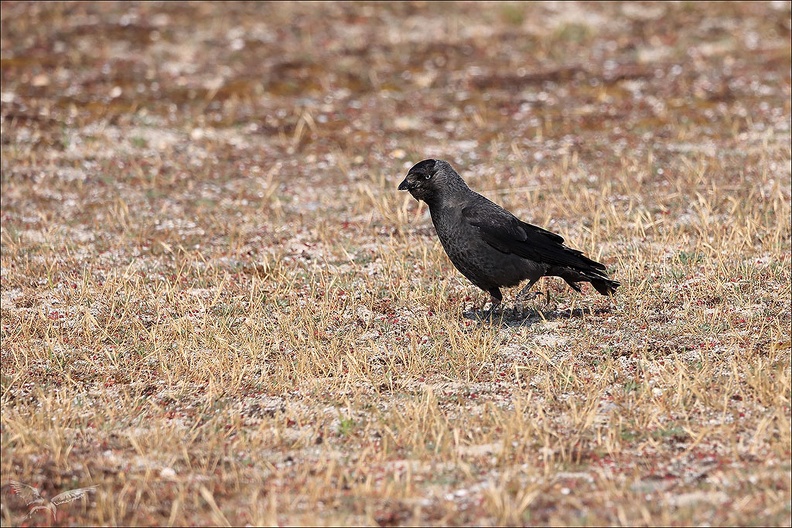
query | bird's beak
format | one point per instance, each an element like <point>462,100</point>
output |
<point>405,185</point>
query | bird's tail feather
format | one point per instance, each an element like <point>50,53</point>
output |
<point>605,286</point>
<point>598,279</point>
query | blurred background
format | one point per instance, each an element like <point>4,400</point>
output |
<point>337,89</point>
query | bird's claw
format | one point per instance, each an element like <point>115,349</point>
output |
<point>494,309</point>
<point>529,296</point>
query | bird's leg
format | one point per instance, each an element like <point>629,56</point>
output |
<point>496,297</point>
<point>523,295</point>
<point>493,307</point>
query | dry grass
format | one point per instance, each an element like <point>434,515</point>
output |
<point>217,308</point>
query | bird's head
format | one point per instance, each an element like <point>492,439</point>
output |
<point>428,178</point>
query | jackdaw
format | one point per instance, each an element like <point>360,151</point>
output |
<point>490,246</point>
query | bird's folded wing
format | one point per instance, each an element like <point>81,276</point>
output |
<point>506,233</point>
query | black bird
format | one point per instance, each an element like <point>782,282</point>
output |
<point>489,245</point>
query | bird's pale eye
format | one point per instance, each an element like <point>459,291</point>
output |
<point>427,176</point>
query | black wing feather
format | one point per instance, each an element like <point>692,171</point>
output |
<point>508,234</point>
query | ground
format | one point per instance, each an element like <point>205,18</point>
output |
<point>218,309</point>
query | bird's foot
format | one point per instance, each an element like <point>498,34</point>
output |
<point>525,296</point>
<point>547,299</point>
<point>494,311</point>
<point>519,309</point>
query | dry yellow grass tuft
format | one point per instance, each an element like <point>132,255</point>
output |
<point>217,309</point>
